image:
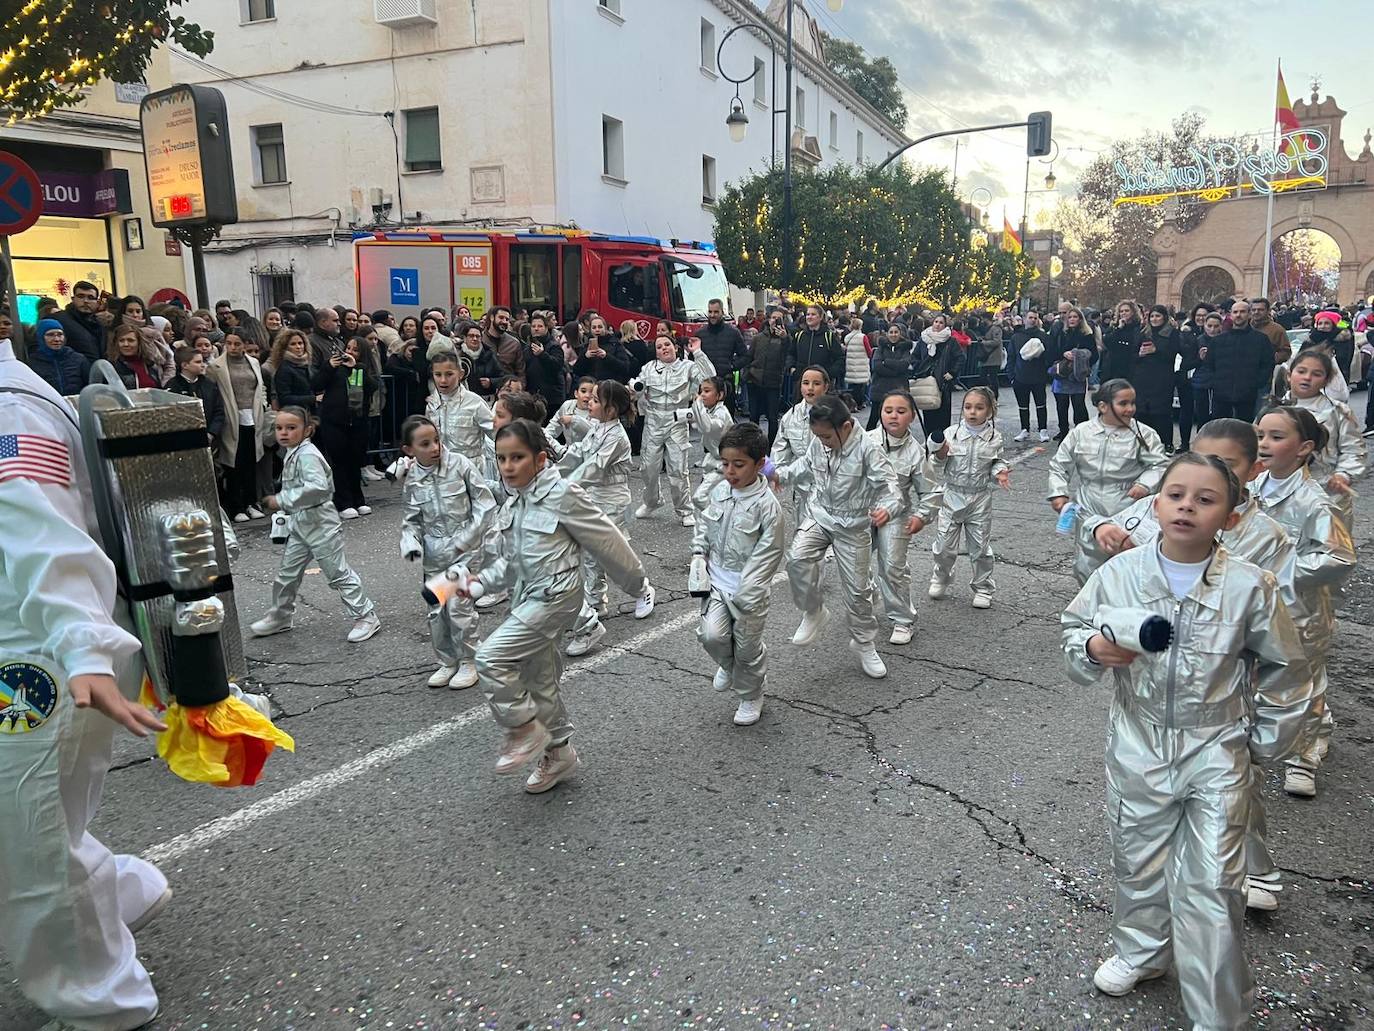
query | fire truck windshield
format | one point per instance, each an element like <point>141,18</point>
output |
<point>691,287</point>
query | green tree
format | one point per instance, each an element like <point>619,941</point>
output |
<point>874,80</point>
<point>899,234</point>
<point>54,49</point>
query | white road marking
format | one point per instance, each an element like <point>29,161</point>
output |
<point>312,787</point>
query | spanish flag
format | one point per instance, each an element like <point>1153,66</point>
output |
<point>1011,241</point>
<point>1284,116</point>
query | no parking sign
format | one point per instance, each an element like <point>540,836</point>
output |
<point>21,196</point>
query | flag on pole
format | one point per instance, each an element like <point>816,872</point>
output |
<point>1011,240</point>
<point>1284,116</point>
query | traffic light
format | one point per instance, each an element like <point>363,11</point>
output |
<point>1038,134</point>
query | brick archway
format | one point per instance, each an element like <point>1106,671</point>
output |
<point>1350,250</point>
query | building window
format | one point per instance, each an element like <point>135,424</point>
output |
<point>612,148</point>
<point>272,284</point>
<point>708,179</point>
<point>708,46</point>
<point>269,154</point>
<point>257,10</point>
<point>422,140</point>
<point>834,131</point>
<point>799,109</point>
<point>760,82</point>
<point>859,147</point>
<point>610,5</point>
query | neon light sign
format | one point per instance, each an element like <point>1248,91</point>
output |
<point>1216,171</point>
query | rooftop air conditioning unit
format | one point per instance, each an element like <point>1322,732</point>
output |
<point>398,14</point>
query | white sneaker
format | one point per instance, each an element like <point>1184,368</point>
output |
<point>364,510</point>
<point>372,475</point>
<point>1023,435</point>
<point>1261,895</point>
<point>869,658</point>
<point>1044,436</point>
<point>488,601</point>
<point>554,765</point>
<point>722,681</point>
<point>441,676</point>
<point>982,601</point>
<point>1300,782</point>
<point>811,626</point>
<point>270,624</point>
<point>581,644</point>
<point>364,628</point>
<point>644,604</point>
<point>255,513</point>
<point>937,589</point>
<point>1117,977</point>
<point>349,513</point>
<point>749,712</point>
<point>465,676</point>
<point>644,512</point>
<point>902,634</point>
<point>151,913</point>
<point>242,517</point>
<point>521,745</point>
<point>688,520</point>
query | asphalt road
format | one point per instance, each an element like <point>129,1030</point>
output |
<point>926,851</point>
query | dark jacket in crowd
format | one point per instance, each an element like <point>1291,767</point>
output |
<point>128,373</point>
<point>1239,362</point>
<point>332,382</point>
<point>85,334</point>
<point>65,370</point>
<point>485,366</point>
<point>508,353</point>
<point>410,391</point>
<point>544,372</point>
<point>618,364</point>
<point>724,344</point>
<point>822,347</point>
<point>1032,371</point>
<point>322,346</point>
<point>292,385</point>
<point>767,360</point>
<point>1152,375</point>
<point>891,367</point>
<point>209,397</point>
<point>1120,347</point>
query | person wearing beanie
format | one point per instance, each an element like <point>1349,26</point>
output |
<point>63,369</point>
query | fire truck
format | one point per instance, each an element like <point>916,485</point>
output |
<point>567,271</point>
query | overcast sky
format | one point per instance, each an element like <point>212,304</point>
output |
<point>1105,68</point>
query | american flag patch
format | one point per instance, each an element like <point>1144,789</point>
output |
<point>24,456</point>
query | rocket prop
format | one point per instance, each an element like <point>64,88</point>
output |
<point>153,484</point>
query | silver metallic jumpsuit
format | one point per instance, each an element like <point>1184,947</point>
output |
<point>306,496</point>
<point>535,550</point>
<point>1106,461</point>
<point>920,496</point>
<point>600,464</point>
<point>792,442</point>
<point>845,487</point>
<point>1345,451</point>
<point>742,535</point>
<point>464,422</point>
<point>711,423</point>
<point>1186,726</point>
<point>664,400</point>
<point>448,507</point>
<point>967,475</point>
<point>580,426</point>
<point>1326,556</point>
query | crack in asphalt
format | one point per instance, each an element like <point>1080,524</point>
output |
<point>1364,882</point>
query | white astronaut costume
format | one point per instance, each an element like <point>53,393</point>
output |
<point>1186,726</point>
<point>967,475</point>
<point>1345,451</point>
<point>665,397</point>
<point>920,496</point>
<point>580,426</point>
<point>1326,556</point>
<point>316,532</point>
<point>845,486</point>
<point>1257,539</point>
<point>741,534</point>
<point>65,900</point>
<point>539,541</point>
<point>464,422</point>
<point>599,463</point>
<point>711,423</point>
<point>792,442</point>
<point>1106,461</point>
<point>448,508</point>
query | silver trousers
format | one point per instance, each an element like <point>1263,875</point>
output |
<point>665,443</point>
<point>1319,724</point>
<point>853,562</point>
<point>892,571</point>
<point>327,549</point>
<point>971,513</point>
<point>734,640</point>
<point>453,627</point>
<point>519,667</point>
<point>1178,807</point>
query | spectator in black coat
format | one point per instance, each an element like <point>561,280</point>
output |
<point>891,369</point>
<point>767,358</point>
<point>290,362</point>
<point>1031,375</point>
<point>191,381</point>
<point>1239,362</point>
<point>815,344</point>
<point>1121,346</point>
<point>410,391</point>
<point>1152,374</point>
<point>84,330</point>
<point>604,357</point>
<point>724,344</point>
<point>64,369</point>
<point>545,369</point>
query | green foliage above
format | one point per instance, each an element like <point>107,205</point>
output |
<point>874,80</point>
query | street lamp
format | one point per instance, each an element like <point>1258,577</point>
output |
<point>835,5</point>
<point>737,120</point>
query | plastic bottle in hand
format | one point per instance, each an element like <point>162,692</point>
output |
<point>449,583</point>
<point>1068,516</point>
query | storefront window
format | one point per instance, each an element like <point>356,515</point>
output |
<point>57,252</point>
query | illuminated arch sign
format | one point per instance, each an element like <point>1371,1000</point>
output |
<point>1217,171</point>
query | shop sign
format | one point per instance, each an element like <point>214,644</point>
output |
<point>1220,170</point>
<point>86,194</point>
<point>186,151</point>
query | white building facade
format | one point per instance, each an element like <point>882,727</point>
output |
<point>608,115</point>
